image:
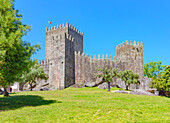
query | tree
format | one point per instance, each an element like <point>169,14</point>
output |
<point>154,69</point>
<point>129,77</point>
<point>107,75</point>
<point>14,53</point>
<point>162,84</point>
<point>1,77</point>
<point>36,72</point>
<point>115,73</point>
<point>159,84</point>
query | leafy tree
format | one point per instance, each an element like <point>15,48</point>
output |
<point>162,84</point>
<point>107,75</point>
<point>1,77</point>
<point>129,77</point>
<point>159,84</point>
<point>36,72</point>
<point>14,53</point>
<point>154,69</point>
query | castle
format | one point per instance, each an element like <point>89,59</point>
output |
<point>66,63</point>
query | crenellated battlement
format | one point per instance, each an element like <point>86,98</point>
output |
<point>131,44</point>
<point>42,62</point>
<point>96,58</point>
<point>58,27</point>
<point>78,67</point>
<point>86,66</point>
<point>76,30</point>
<point>69,37</point>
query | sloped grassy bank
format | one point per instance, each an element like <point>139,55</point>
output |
<point>83,105</point>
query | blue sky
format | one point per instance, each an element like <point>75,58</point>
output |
<point>105,24</point>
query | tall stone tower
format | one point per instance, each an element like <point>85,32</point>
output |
<point>61,44</point>
<point>132,54</point>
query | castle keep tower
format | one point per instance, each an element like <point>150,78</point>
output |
<point>66,63</point>
<point>61,44</point>
<point>132,54</point>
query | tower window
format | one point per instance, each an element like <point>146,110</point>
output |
<point>56,36</point>
<point>137,50</point>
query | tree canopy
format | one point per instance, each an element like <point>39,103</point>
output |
<point>129,78</point>
<point>107,75</point>
<point>36,72</point>
<point>154,69</point>
<point>163,83</point>
<point>14,52</point>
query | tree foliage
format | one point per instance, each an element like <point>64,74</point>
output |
<point>154,69</point>
<point>1,77</point>
<point>163,83</point>
<point>36,72</point>
<point>14,53</point>
<point>129,77</point>
<point>107,75</point>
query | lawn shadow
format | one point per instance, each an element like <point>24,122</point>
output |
<point>18,101</point>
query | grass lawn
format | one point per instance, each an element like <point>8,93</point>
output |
<point>83,105</point>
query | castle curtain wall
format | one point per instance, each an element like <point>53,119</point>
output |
<point>76,67</point>
<point>86,67</point>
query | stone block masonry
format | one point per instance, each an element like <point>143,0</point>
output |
<point>86,67</point>
<point>66,61</point>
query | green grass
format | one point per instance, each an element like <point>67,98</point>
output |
<point>83,105</point>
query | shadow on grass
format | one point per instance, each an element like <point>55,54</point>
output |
<point>18,101</point>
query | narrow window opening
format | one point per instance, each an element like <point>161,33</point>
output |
<point>137,50</point>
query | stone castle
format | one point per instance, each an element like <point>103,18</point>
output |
<point>66,63</point>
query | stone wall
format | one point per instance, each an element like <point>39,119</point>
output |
<point>86,67</point>
<point>65,58</point>
<point>133,55</point>
<point>55,54</point>
<point>69,61</point>
<point>61,43</point>
<point>45,65</point>
<point>78,38</point>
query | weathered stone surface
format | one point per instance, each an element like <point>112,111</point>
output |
<point>145,84</point>
<point>136,92</point>
<point>142,92</point>
<point>65,62</point>
<point>120,91</point>
<point>90,84</point>
<point>99,81</point>
<point>103,85</point>
<point>77,86</point>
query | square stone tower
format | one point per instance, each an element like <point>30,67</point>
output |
<point>132,54</point>
<point>61,44</point>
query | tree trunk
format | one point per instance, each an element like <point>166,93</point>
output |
<point>108,86</point>
<point>126,87</point>
<point>6,94</point>
<point>31,87</point>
